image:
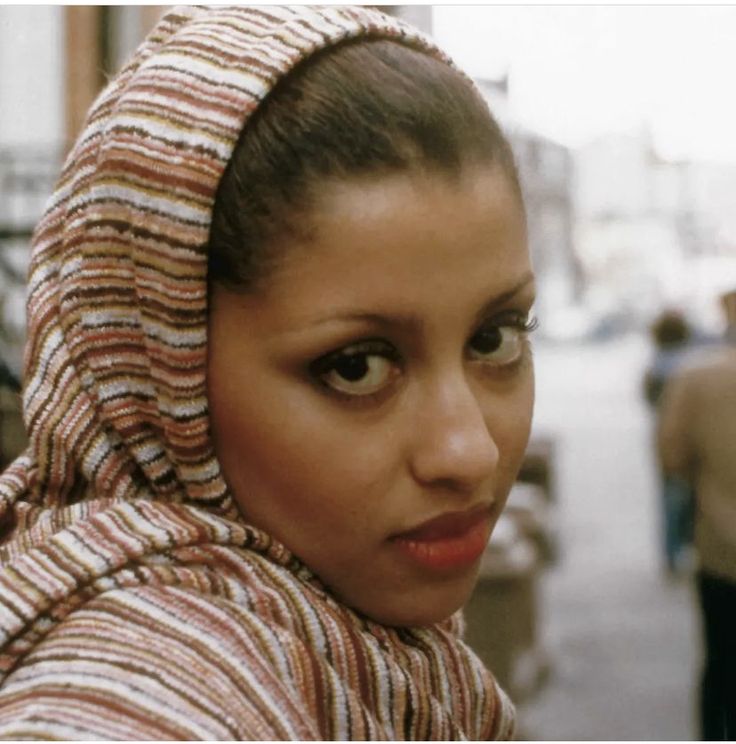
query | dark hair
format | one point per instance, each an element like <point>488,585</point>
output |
<point>360,107</point>
<point>670,329</point>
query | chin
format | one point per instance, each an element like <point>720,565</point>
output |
<point>421,606</point>
<point>418,617</point>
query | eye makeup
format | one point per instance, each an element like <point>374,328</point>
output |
<point>361,370</point>
<point>500,342</point>
<point>365,371</point>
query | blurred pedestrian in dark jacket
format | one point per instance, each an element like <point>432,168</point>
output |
<point>12,431</point>
<point>671,336</point>
<point>697,441</point>
<point>7,379</point>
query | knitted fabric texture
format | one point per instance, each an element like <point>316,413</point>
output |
<point>134,601</point>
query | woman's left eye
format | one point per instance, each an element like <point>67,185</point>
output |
<point>500,343</point>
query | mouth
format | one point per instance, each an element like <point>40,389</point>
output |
<point>451,541</point>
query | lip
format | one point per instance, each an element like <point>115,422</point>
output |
<point>450,541</point>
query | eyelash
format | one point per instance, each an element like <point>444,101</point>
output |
<point>321,367</point>
<point>518,321</point>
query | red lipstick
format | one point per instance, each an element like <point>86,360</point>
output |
<point>450,541</point>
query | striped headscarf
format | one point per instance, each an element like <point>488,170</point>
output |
<point>134,601</point>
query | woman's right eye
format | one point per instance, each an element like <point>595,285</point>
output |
<point>359,369</point>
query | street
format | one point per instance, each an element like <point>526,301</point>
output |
<point>622,639</point>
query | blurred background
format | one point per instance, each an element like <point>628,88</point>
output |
<point>622,120</point>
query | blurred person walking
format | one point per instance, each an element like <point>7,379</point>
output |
<point>697,441</point>
<point>671,335</point>
<point>13,437</point>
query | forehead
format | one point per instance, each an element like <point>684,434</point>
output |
<point>393,237</point>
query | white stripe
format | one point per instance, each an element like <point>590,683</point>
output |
<point>79,551</point>
<point>214,74</point>
<point>165,203</point>
<point>55,675</point>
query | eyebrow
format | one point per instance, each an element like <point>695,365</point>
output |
<point>411,321</point>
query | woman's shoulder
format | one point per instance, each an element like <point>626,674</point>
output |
<point>155,620</point>
<point>155,661</point>
<point>66,558</point>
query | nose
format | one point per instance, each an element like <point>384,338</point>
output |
<point>453,445</point>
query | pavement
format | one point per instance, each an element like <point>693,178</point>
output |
<point>621,638</point>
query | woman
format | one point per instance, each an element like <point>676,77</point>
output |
<point>278,387</point>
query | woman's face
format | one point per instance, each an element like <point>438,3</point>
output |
<point>371,403</point>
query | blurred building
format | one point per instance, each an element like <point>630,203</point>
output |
<point>53,62</point>
<point>546,173</point>
<point>651,232</point>
<point>546,169</point>
<point>31,129</point>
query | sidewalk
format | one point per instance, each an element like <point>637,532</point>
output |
<point>622,640</point>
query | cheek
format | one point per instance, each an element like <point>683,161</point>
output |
<point>288,454</point>
<point>510,419</point>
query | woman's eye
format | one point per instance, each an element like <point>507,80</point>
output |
<point>500,343</point>
<point>359,369</point>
